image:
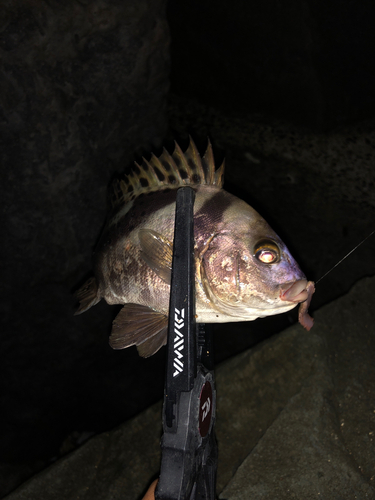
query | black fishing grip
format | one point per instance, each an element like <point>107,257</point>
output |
<point>189,450</point>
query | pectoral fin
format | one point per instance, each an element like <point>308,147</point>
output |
<point>141,326</point>
<point>152,345</point>
<point>157,253</point>
<point>87,296</point>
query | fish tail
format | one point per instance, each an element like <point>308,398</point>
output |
<point>87,296</point>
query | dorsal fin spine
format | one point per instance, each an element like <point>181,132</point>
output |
<point>155,162</point>
<point>150,170</point>
<point>182,158</point>
<point>173,165</point>
<point>219,175</point>
<point>193,154</point>
<point>169,170</point>
<point>207,160</point>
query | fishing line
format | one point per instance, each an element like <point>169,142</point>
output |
<point>347,255</point>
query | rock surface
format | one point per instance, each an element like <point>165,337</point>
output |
<point>83,87</point>
<point>295,419</point>
<point>317,437</point>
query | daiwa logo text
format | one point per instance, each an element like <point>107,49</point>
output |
<point>178,343</point>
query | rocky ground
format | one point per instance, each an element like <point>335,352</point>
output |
<point>295,419</point>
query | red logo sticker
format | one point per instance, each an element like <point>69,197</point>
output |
<point>205,409</point>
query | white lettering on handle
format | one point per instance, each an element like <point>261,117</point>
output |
<point>206,408</point>
<point>178,343</point>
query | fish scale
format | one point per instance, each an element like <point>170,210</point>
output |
<point>133,258</point>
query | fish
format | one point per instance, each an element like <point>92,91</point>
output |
<point>243,270</point>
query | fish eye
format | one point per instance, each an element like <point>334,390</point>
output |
<point>267,252</point>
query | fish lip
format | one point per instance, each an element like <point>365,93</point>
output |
<point>294,291</point>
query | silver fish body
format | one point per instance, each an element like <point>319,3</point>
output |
<point>243,269</point>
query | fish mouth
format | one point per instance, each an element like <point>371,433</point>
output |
<point>294,292</point>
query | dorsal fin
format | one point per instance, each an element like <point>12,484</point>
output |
<point>168,171</point>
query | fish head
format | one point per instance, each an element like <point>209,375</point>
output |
<point>248,272</point>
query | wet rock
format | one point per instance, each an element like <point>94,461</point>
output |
<point>295,419</point>
<point>106,467</point>
<point>320,442</point>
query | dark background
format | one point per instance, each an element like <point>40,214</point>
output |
<point>285,90</point>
